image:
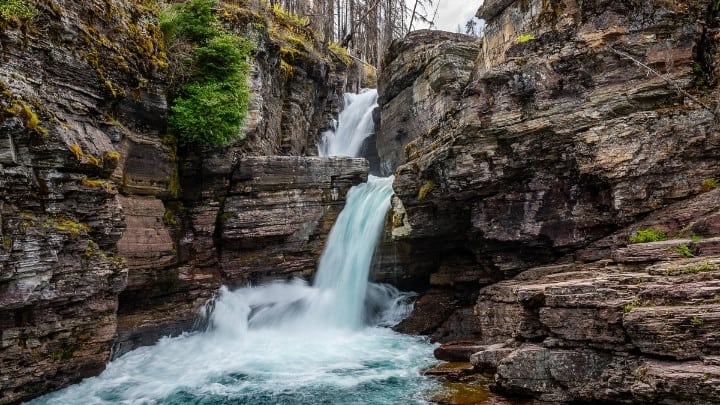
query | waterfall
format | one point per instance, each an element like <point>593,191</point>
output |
<point>355,124</point>
<point>345,263</point>
<point>290,342</point>
<point>338,297</point>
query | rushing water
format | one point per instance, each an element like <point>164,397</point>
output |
<point>354,126</point>
<point>289,342</point>
<point>286,342</point>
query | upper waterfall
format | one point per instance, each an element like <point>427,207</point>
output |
<point>354,125</point>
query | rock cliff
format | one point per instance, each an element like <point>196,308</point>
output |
<point>564,127</point>
<point>112,235</point>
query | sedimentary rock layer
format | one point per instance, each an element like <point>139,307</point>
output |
<point>112,233</point>
<point>575,126</point>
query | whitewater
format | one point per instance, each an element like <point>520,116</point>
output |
<point>290,342</point>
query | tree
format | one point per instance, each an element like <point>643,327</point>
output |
<point>365,27</point>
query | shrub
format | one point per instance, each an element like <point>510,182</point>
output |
<point>212,112</point>
<point>211,107</point>
<point>223,56</point>
<point>684,250</point>
<point>647,235</point>
<point>194,21</point>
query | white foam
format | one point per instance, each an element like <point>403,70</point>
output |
<point>354,126</point>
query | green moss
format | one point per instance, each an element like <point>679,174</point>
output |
<point>174,210</point>
<point>525,38</point>
<point>17,11</point>
<point>174,188</point>
<point>98,183</point>
<point>340,53</point>
<point>691,269</point>
<point>76,150</point>
<point>226,216</point>
<point>287,18</point>
<point>708,185</point>
<point>286,70</point>
<point>111,157</point>
<point>68,225</point>
<point>7,242</point>
<point>30,118</point>
<point>66,352</point>
<point>425,189</point>
<point>631,305</point>
<point>169,218</point>
<point>647,235</point>
<point>696,321</point>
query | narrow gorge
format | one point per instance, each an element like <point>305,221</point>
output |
<point>551,190</point>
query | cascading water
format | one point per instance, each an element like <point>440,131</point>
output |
<point>288,342</point>
<point>354,126</point>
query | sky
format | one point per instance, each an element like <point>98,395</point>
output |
<point>454,12</point>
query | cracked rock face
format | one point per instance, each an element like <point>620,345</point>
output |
<point>112,237</point>
<point>555,147</point>
<point>549,145</point>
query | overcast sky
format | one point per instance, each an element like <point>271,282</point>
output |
<point>454,12</point>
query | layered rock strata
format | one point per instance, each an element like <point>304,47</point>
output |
<point>552,146</point>
<point>577,125</point>
<point>112,235</point>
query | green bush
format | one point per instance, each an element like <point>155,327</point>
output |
<point>194,21</point>
<point>223,56</point>
<point>212,112</point>
<point>648,235</point>
<point>684,250</point>
<point>211,107</point>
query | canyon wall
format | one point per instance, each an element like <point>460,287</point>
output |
<point>113,234</point>
<point>547,143</point>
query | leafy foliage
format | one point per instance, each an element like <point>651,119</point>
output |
<point>211,112</point>
<point>193,20</point>
<point>17,10</point>
<point>684,250</point>
<point>210,107</point>
<point>647,235</point>
<point>222,57</point>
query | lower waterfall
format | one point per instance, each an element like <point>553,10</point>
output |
<point>286,342</point>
